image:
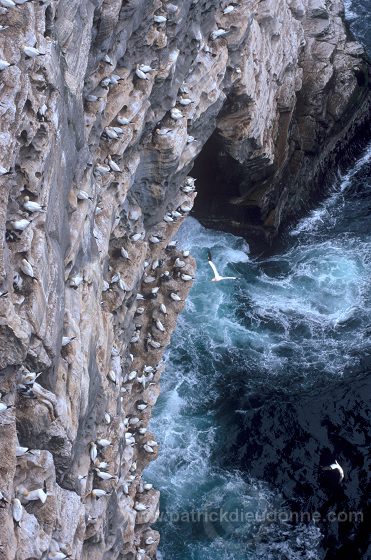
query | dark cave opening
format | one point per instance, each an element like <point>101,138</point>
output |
<point>221,183</point>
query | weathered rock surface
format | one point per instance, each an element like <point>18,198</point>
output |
<point>92,137</point>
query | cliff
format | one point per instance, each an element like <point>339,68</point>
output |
<point>100,127</point>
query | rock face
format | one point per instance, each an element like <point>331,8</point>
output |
<point>99,128</point>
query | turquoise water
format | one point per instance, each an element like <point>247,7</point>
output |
<point>293,319</point>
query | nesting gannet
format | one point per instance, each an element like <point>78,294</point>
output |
<point>136,236</point>
<point>34,495</point>
<point>104,442</point>
<point>142,406</point>
<point>92,98</point>
<point>99,493</point>
<point>102,465</point>
<point>190,139</point>
<point>186,277</point>
<point>27,269</point>
<point>83,195</point>
<point>159,325</point>
<point>175,114</point>
<point>165,277</point>
<point>163,308</point>
<point>185,208</point>
<point>159,19</point>
<point>104,475</point>
<point>3,27</point>
<point>167,218</point>
<point>175,297</point>
<point>76,280</point>
<point>186,254</point>
<point>139,311</point>
<point>4,407</point>
<point>132,375</point>
<point>29,377</point>
<point>17,511</point>
<point>229,9</point>
<point>4,171</point>
<point>142,431</point>
<point>185,101</point>
<point>57,555</point>
<point>148,448</point>
<point>140,74</point>
<point>4,64</point>
<point>3,500</point>
<point>102,169</point>
<point>154,239</point>
<point>21,451</point>
<point>140,507</point>
<point>111,133</point>
<point>67,339</point>
<point>187,189</point>
<point>218,33</point>
<point>145,68</point>
<point>149,279</point>
<point>32,52</point>
<point>112,376</point>
<point>139,296</point>
<point>122,120</point>
<point>135,338</point>
<point>179,263</point>
<point>147,486</point>
<point>93,451</point>
<point>149,541</point>
<point>163,131</point>
<point>31,206</point>
<point>335,466</point>
<point>113,165</point>
<point>107,418</point>
<point>217,277</point>
<point>7,3</point>
<point>20,225</point>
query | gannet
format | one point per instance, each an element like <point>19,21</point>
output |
<point>186,277</point>
<point>103,442</point>
<point>32,52</point>
<point>159,325</point>
<point>104,475</point>
<point>142,431</point>
<point>335,466</point>
<point>76,280</point>
<point>102,169</point>
<point>217,277</point>
<point>27,269</point>
<point>218,33</point>
<point>175,297</point>
<point>29,377</point>
<point>139,507</point>
<point>148,448</point>
<point>185,101</point>
<point>93,451</point>
<point>7,3</point>
<point>33,495</point>
<point>124,253</point>
<point>17,511</point>
<point>176,114</point>
<point>67,339</point>
<point>167,218</point>
<point>179,263</point>
<point>4,171</point>
<point>107,418</point>
<point>159,19</point>
<point>149,541</point>
<point>112,376</point>
<point>186,253</point>
<point>190,139</point>
<point>31,206</point>
<point>141,75</point>
<point>20,225</point>
<point>108,59</point>
<point>113,165</point>
<point>111,133</point>
<point>58,555</point>
<point>163,308</point>
<point>142,406</point>
<point>154,239</point>
<point>4,407</point>
<point>83,195</point>
<point>98,493</point>
<point>163,131</point>
<point>123,120</point>
<point>21,451</point>
<point>4,64</point>
<point>228,9</point>
<point>145,68</point>
<point>135,236</point>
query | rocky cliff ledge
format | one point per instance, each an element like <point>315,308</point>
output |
<point>105,106</point>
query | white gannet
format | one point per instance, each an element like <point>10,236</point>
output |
<point>147,486</point>
<point>140,74</point>
<point>190,139</point>
<point>186,253</point>
<point>186,277</point>
<point>159,19</point>
<point>4,64</point>
<point>17,511</point>
<point>7,3</point>
<point>335,466</point>
<point>149,279</point>
<point>67,339</point>
<point>32,52</point>
<point>76,280</point>
<point>175,114</point>
<point>229,9</point>
<point>113,165</point>
<point>29,377</point>
<point>112,376</point>
<point>4,407</point>
<point>107,418</point>
<point>102,169</point>
<point>175,297</point>
<point>145,68</point>
<point>27,269</point>
<point>139,311</point>
<point>111,133</point>
<point>57,555</point>
<point>21,451</point>
<point>31,206</point>
<point>163,131</point>
<point>179,263</point>
<point>142,431</point>
<point>154,239</point>
<point>135,237</point>
<point>103,442</point>
<point>185,208</point>
<point>217,277</point>
<point>132,375</point>
<point>148,448</point>
<point>104,475</point>
<point>142,406</point>
<point>163,308</point>
<point>167,218</point>
<point>98,493</point>
<point>122,120</point>
<point>4,171</point>
<point>108,59</point>
<point>83,195</point>
<point>159,325</point>
<point>149,541</point>
<point>93,452</point>
<point>185,101</point>
<point>33,495</point>
<point>20,225</point>
<point>139,507</point>
<point>218,33</point>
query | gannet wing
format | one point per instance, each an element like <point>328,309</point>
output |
<point>216,273</point>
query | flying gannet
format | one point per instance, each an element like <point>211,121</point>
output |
<point>217,277</point>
